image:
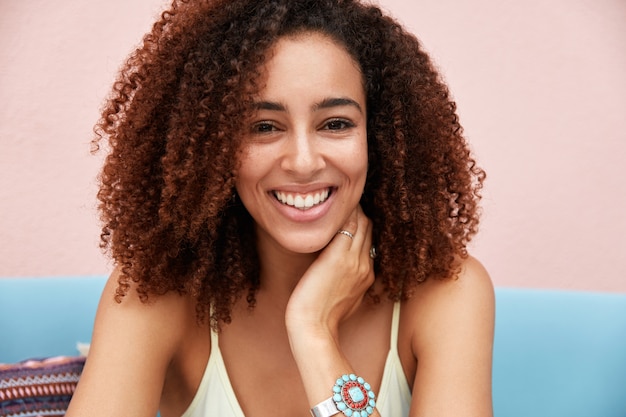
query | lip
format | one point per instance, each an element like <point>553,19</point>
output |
<point>297,214</point>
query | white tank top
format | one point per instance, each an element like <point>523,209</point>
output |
<point>215,396</point>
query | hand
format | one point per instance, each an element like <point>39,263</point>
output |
<point>333,286</point>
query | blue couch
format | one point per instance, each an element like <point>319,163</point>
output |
<point>556,353</point>
<point>559,354</point>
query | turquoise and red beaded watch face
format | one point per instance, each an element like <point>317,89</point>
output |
<point>353,396</point>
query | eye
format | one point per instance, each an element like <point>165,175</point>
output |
<point>263,127</point>
<point>338,124</point>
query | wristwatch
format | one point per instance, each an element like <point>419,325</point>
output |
<point>352,396</point>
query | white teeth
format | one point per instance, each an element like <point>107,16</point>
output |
<point>302,202</point>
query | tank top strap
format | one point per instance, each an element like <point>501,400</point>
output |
<point>214,341</point>
<point>395,324</point>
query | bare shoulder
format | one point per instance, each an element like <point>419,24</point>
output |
<point>133,343</point>
<point>447,339</point>
<point>471,289</point>
<point>149,321</point>
<point>161,314</point>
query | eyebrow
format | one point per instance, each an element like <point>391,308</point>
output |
<point>324,104</point>
<point>337,102</point>
<point>268,105</point>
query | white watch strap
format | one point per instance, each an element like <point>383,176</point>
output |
<point>325,409</point>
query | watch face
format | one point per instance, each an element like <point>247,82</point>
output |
<point>353,396</point>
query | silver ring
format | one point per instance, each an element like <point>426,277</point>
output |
<point>373,253</point>
<point>345,232</point>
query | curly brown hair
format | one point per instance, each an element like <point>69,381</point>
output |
<point>173,124</point>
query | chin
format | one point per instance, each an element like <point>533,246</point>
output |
<point>306,249</point>
<point>304,245</point>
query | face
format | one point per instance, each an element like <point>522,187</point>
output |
<point>304,160</point>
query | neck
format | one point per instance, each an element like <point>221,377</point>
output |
<point>281,270</point>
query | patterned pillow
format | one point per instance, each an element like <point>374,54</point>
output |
<point>39,387</point>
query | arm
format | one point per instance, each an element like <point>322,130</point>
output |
<point>329,292</point>
<point>130,350</point>
<point>452,338</point>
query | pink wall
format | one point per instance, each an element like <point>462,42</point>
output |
<point>541,92</point>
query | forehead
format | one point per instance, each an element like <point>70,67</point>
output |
<point>311,40</point>
<point>310,60</point>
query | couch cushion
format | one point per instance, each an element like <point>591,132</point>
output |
<point>559,354</point>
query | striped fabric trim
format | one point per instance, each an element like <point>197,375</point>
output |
<point>39,387</point>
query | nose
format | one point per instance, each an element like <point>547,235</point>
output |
<point>303,154</point>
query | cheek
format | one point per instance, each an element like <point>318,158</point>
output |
<point>252,166</point>
<point>362,175</point>
<point>357,164</point>
<point>361,163</point>
<point>245,173</point>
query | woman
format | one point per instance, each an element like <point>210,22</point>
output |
<point>288,198</point>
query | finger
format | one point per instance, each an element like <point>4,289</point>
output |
<point>365,257</point>
<point>364,230</point>
<point>361,247</point>
<point>349,230</point>
<point>368,243</point>
<point>363,236</point>
<point>367,246</point>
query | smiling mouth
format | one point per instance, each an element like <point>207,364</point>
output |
<point>302,201</point>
